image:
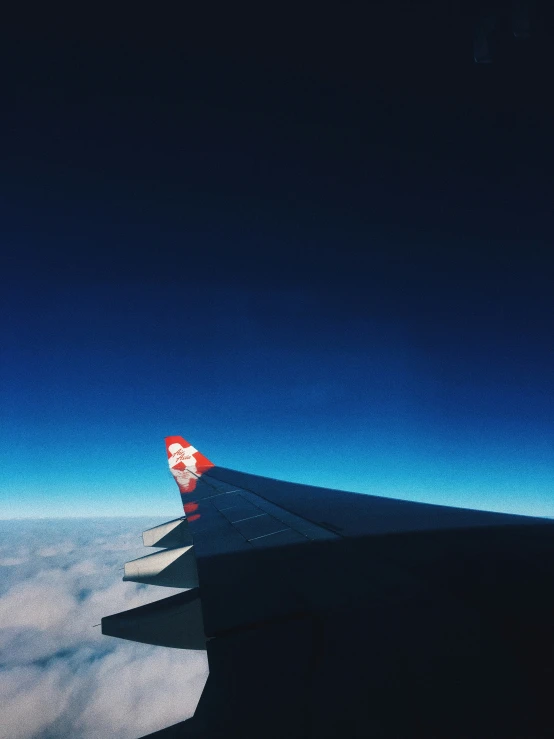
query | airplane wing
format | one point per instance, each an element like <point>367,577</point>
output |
<point>326,613</point>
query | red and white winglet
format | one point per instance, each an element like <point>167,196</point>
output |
<point>187,465</point>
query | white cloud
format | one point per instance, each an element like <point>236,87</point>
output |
<point>154,680</point>
<point>56,549</point>
<point>32,699</point>
<point>11,561</point>
<point>35,604</point>
<point>59,676</point>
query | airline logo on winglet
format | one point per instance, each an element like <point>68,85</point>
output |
<point>180,456</point>
<point>186,463</point>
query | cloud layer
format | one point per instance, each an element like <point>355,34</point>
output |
<point>59,676</point>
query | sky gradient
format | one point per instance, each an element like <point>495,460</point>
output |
<point>317,269</point>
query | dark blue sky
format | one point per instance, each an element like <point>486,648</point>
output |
<point>316,254</point>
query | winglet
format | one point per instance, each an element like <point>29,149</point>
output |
<point>186,463</point>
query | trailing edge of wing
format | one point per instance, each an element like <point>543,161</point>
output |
<point>174,568</point>
<point>171,534</point>
<point>172,622</point>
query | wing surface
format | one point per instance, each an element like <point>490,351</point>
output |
<point>324,611</point>
<point>356,514</point>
